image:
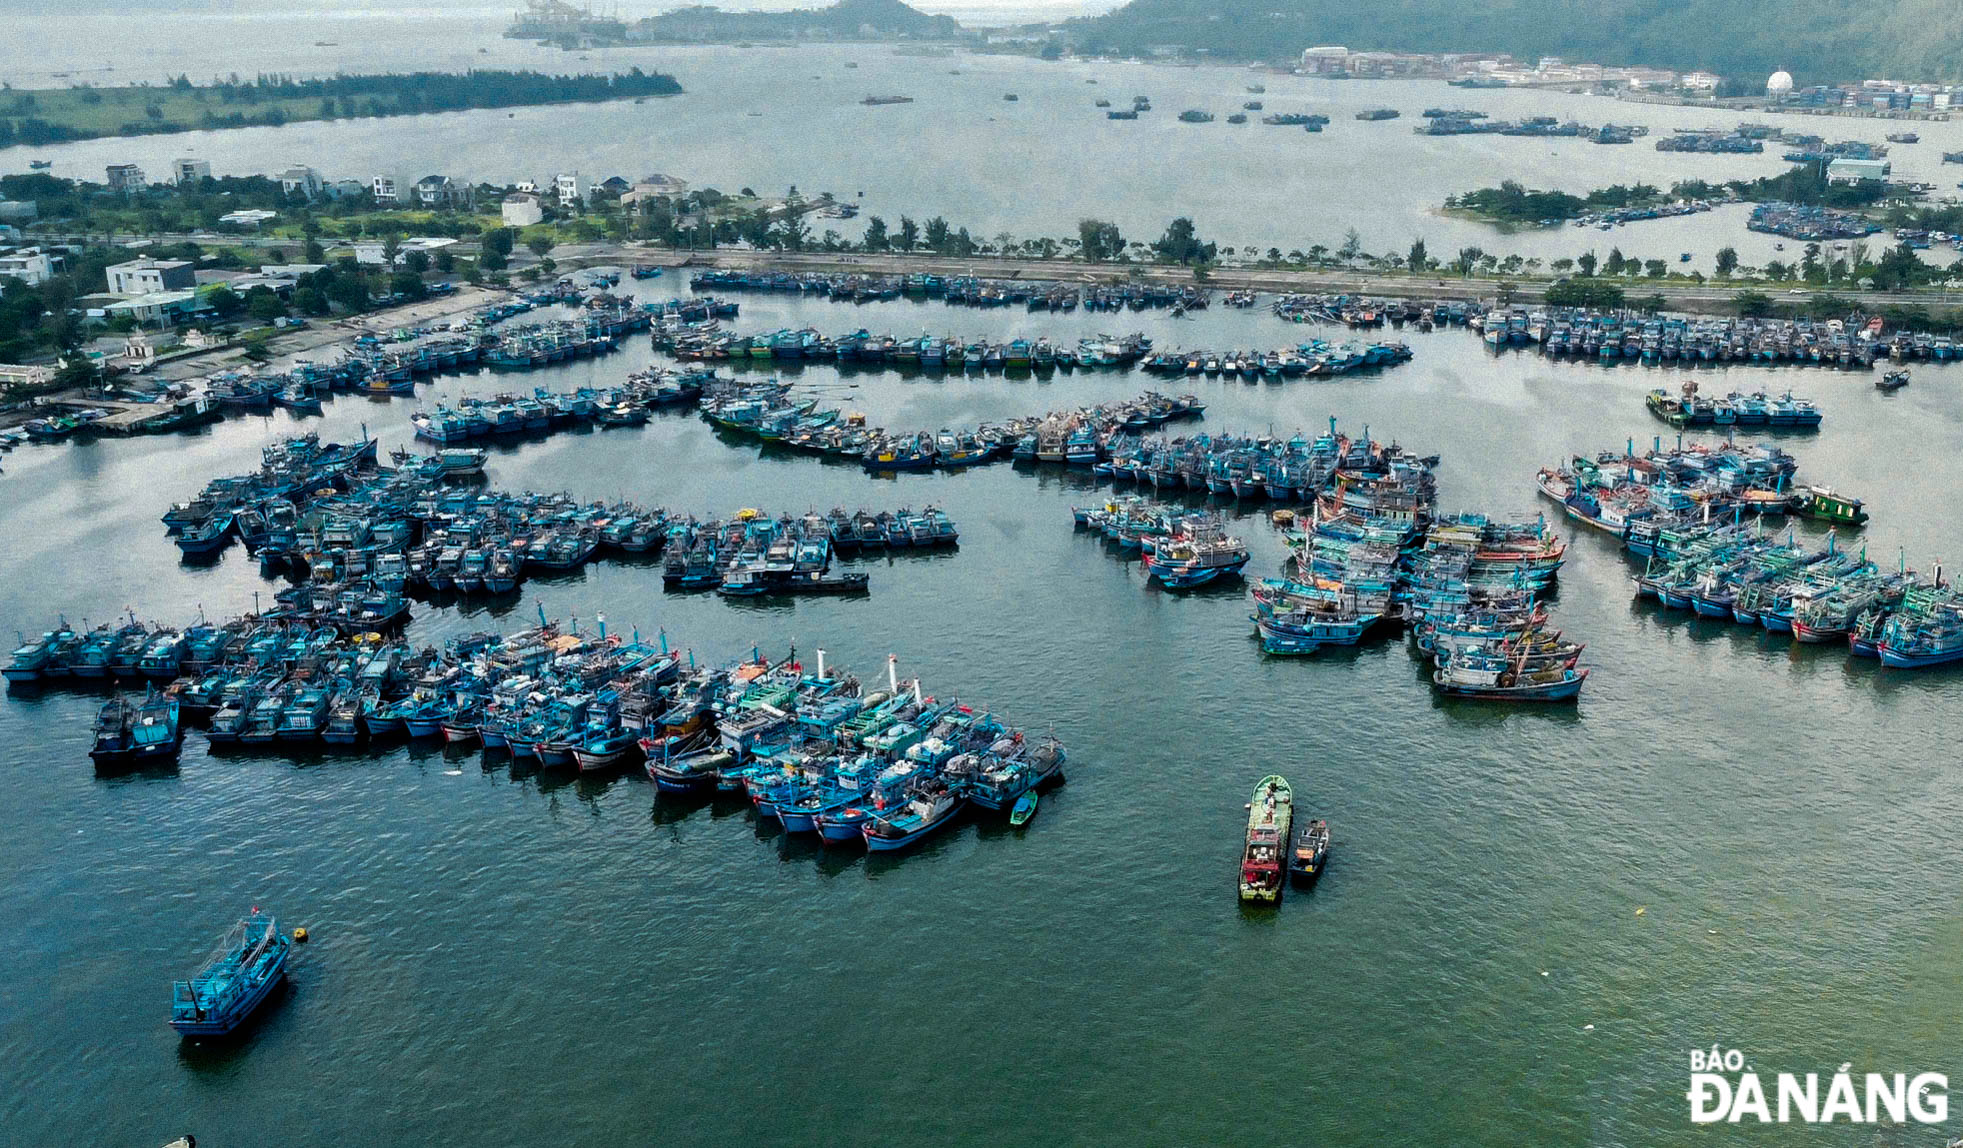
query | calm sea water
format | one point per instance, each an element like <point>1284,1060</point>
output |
<point>771,117</point>
<point>582,962</point>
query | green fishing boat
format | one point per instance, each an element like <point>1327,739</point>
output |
<point>1270,816</point>
<point>1824,504</point>
<point>1025,808</point>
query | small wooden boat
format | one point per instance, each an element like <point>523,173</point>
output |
<point>1892,381</point>
<point>1025,808</point>
<point>1311,852</point>
<point>1270,816</point>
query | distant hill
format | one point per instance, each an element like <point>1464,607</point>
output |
<point>1816,40</point>
<point>845,20</point>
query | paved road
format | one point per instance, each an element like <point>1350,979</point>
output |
<point>1677,296</point>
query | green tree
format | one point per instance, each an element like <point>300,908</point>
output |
<point>540,242</point>
<point>1655,268</point>
<point>909,235</point>
<point>1753,304</point>
<point>417,261</point>
<point>1419,259</point>
<point>937,234</point>
<point>224,302</point>
<point>1587,264</point>
<point>1727,262</point>
<point>264,305</point>
<point>1181,244</point>
<point>1101,239</point>
<point>1351,248</point>
<point>876,238</point>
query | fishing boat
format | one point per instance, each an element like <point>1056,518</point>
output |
<point>1025,808</point>
<point>928,808</point>
<point>234,981</point>
<point>1270,817</point>
<point>1310,854</point>
<point>1892,381</point>
<point>1824,504</point>
<point>138,733</point>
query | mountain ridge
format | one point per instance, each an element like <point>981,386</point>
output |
<point>1818,41</point>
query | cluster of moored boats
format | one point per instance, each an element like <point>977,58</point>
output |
<point>1687,408</point>
<point>1629,337</point>
<point>1315,358</point>
<point>544,412</point>
<point>810,746</point>
<point>1634,497</point>
<point>1372,552</point>
<point>1296,469</point>
<point>754,553</point>
<point>376,366</point>
<point>767,412</point>
<point>1182,547</point>
<point>1683,512</point>
<point>365,538</point>
<point>1469,588</point>
<point>962,290</point>
<point>1817,594</point>
<point>862,349</point>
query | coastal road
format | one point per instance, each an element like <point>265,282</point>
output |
<point>1706,297</point>
<point>1677,296</point>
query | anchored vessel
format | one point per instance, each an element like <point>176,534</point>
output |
<point>234,981</point>
<point>1270,816</point>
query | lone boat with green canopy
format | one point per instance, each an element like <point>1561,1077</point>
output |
<point>1824,504</point>
<point>1270,816</point>
<point>1025,808</point>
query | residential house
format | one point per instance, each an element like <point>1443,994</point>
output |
<point>188,170</point>
<point>30,265</point>
<point>384,188</point>
<point>570,189</point>
<point>125,177</point>
<point>160,307</point>
<point>149,276</point>
<point>520,209</point>
<point>442,191</point>
<point>300,180</point>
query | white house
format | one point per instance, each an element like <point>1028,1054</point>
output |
<point>521,210</point>
<point>30,265</point>
<point>150,276</point>
<point>442,191</point>
<point>300,180</point>
<point>124,177</point>
<point>189,170</point>
<point>384,190</point>
<point>570,189</point>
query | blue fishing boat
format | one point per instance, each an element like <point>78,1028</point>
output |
<point>929,807</point>
<point>231,985</point>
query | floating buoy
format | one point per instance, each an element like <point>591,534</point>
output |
<point>300,936</point>
<point>1588,1028</point>
<point>1641,910</point>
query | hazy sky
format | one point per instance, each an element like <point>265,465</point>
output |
<point>628,9</point>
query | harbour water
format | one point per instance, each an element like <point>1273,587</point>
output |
<point>768,117</point>
<point>581,962</point>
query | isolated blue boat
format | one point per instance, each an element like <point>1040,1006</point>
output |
<point>232,984</point>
